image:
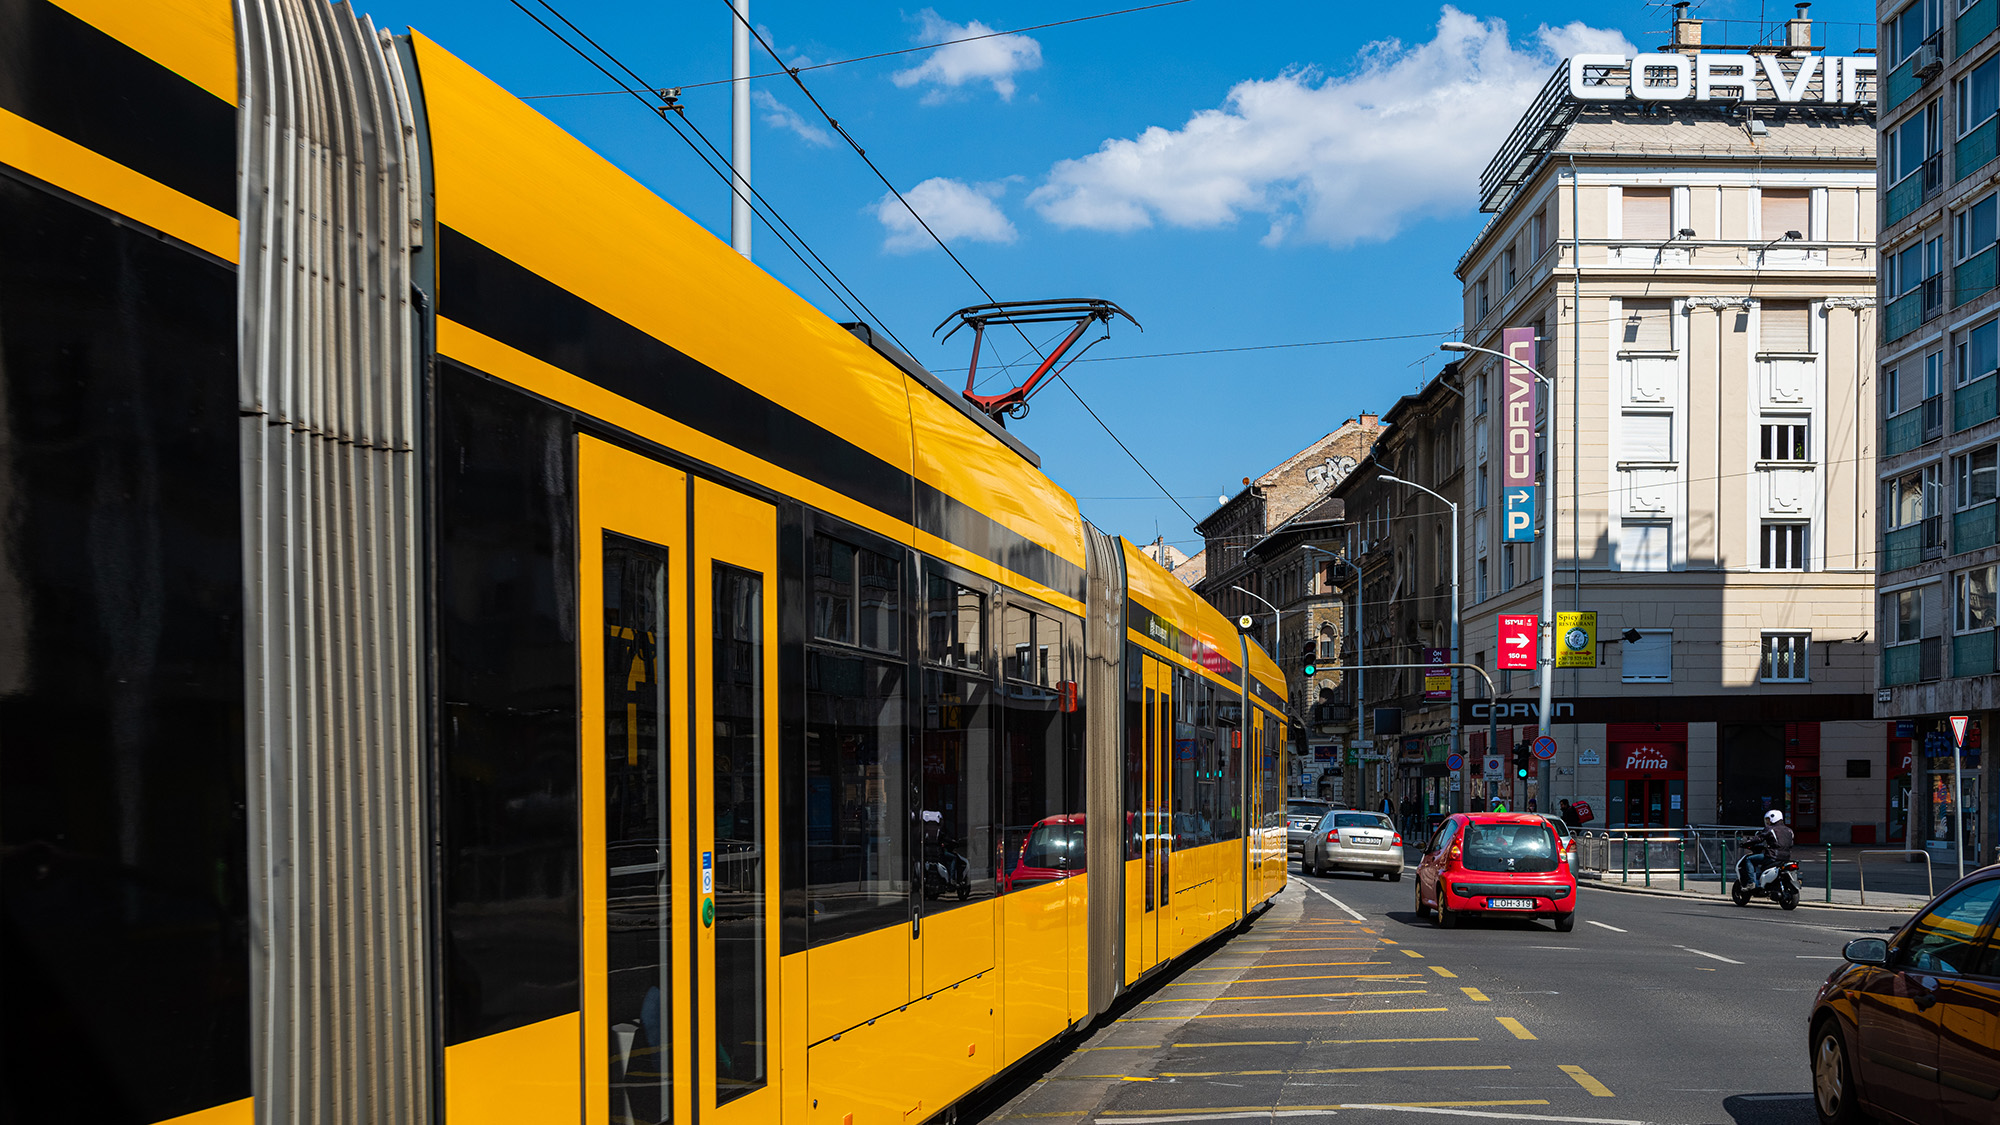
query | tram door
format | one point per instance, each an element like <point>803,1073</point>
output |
<point>678,788</point>
<point>1155,819</point>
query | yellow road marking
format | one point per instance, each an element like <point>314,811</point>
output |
<point>1597,1089</point>
<point>1290,996</point>
<point>1282,965</point>
<point>1388,941</point>
<point>1514,1025</point>
<point>1275,1015</point>
<point>1412,953</point>
<point>1474,994</point>
<point>1276,1043</point>
<point>1321,1070</point>
<point>1314,976</point>
<point>1442,971</point>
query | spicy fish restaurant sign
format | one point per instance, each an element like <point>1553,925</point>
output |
<point>1671,76</point>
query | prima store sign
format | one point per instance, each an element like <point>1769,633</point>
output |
<point>1704,77</point>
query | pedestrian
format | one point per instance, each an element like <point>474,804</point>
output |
<point>1498,805</point>
<point>1568,813</point>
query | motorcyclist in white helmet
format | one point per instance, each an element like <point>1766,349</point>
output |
<point>1773,841</point>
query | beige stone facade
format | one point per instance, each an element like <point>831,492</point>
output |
<point>1715,439</point>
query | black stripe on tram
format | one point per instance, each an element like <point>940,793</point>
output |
<point>496,296</point>
<point>79,83</point>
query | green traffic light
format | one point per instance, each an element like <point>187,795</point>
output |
<point>1310,669</point>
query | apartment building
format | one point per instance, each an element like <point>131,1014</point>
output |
<point>1940,347</point>
<point>1691,235</point>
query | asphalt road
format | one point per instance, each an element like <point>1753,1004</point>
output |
<point>1340,1002</point>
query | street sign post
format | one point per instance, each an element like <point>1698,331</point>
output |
<point>1517,641</point>
<point>1958,725</point>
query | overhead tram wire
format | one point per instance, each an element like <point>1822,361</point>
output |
<point>886,54</point>
<point>772,221</point>
<point>793,72</point>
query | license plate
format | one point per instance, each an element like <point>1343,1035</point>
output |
<point>1511,903</point>
<point>1371,841</point>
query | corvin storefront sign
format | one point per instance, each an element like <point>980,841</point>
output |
<point>1672,77</point>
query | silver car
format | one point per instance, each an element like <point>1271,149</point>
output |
<point>1302,815</point>
<point>1350,840</point>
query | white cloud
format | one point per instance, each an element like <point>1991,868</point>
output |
<point>956,210</point>
<point>778,115</point>
<point>995,60</point>
<point>1327,159</point>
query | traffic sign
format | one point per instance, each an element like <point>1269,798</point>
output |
<point>1518,526</point>
<point>1544,747</point>
<point>1454,762</point>
<point>1517,640</point>
<point>1495,765</point>
<point>1958,725</point>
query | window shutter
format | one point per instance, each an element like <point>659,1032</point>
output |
<point>1787,326</point>
<point>1649,326</point>
<point>1648,214</point>
<point>1787,210</point>
<point>1649,437</point>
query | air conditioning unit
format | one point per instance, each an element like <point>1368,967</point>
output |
<point>1925,61</point>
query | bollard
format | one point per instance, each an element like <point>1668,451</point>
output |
<point>1829,872</point>
<point>1646,858</point>
<point>1722,869</point>
<point>1682,863</point>
<point>1624,859</point>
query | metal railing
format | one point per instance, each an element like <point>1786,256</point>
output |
<point>1861,867</point>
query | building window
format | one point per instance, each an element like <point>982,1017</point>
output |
<point>1507,578</point>
<point>1913,496</point>
<point>1972,599</point>
<point>1538,234</point>
<point>1650,659</point>
<point>1479,299</point>
<point>1785,658</point>
<point>1911,266</point>
<point>1648,214</point>
<point>1648,437</point>
<point>1643,545</point>
<point>1784,546</point>
<point>1785,209</point>
<point>1977,94</point>
<point>1479,581</point>
<point>1507,270</point>
<point>1649,327</point>
<point>1906,30</point>
<point>1972,478</point>
<point>1784,441</point>
<point>1908,607</point>
<point>1785,328</point>
<point>1479,395</point>
<point>1479,483</point>
<point>1972,229</point>
<point>1910,144</point>
<point>1977,353</point>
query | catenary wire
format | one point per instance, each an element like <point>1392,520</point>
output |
<point>885,54</point>
<point>772,221</point>
<point>970,276</point>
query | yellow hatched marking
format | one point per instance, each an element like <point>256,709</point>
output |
<point>1474,994</point>
<point>1289,996</point>
<point>1442,971</point>
<point>1274,1015</point>
<point>1412,953</point>
<point>1514,1025</point>
<point>1597,1089</point>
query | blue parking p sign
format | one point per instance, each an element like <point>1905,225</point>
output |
<point>1519,525</point>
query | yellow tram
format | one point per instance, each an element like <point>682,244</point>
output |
<point>473,648</point>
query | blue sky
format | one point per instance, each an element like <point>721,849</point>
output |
<point>1234,176</point>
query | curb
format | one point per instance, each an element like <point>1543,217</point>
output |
<point>1662,892</point>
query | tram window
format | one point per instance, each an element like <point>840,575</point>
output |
<point>740,833</point>
<point>856,596</point>
<point>957,618</point>
<point>857,794</point>
<point>959,848</point>
<point>1229,769</point>
<point>1032,766</point>
<point>1135,749</point>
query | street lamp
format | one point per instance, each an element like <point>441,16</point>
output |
<point>1457,742</point>
<point>1277,628</point>
<point>1547,658</point>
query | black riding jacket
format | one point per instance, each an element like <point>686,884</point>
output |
<point>1776,840</point>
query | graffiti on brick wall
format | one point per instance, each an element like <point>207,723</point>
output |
<point>1324,476</point>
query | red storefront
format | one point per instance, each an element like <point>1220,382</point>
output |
<point>1802,780</point>
<point>1646,775</point>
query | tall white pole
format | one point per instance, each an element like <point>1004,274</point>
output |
<point>739,132</point>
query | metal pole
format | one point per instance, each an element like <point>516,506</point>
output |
<point>1681,862</point>
<point>1575,417</point>
<point>1277,626</point>
<point>1829,873</point>
<point>739,131</point>
<point>1958,801</point>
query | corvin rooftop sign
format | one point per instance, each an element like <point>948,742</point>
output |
<point>1670,76</point>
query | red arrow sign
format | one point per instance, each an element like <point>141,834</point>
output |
<point>1517,640</point>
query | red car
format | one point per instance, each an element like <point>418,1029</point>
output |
<point>1052,850</point>
<point>1496,863</point>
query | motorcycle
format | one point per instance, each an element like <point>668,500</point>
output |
<point>1778,882</point>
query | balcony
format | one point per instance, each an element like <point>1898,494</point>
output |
<point>1912,428</point>
<point>1905,314</point>
<point>1972,278</point>
<point>1972,529</point>
<point>1911,662</point>
<point>1902,548</point>
<point>1900,84</point>
<point>1973,403</point>
<point>1972,654</point>
<point>1903,200</point>
<point>1973,151</point>
<point>1973,25</point>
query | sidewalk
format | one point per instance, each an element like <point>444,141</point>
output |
<point>1882,902</point>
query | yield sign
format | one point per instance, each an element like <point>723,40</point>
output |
<point>1517,640</point>
<point>1958,725</point>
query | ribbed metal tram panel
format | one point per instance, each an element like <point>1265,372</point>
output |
<point>332,651</point>
<point>1104,693</point>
